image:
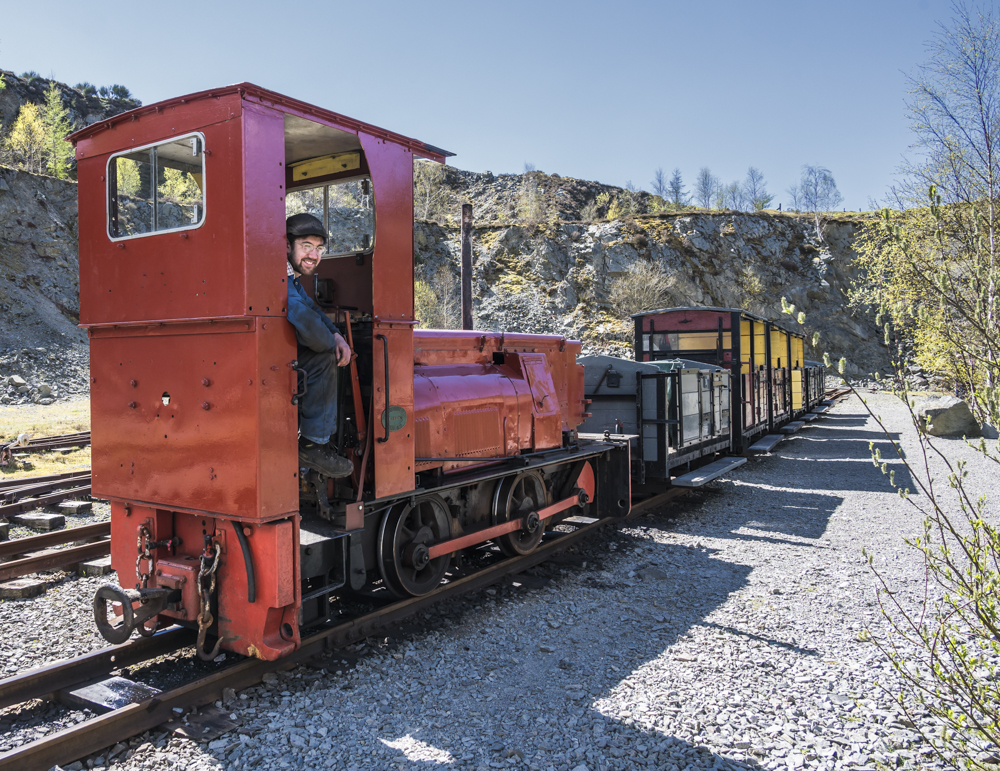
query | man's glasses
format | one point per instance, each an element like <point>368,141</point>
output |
<point>306,247</point>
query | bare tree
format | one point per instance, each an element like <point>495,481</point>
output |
<point>755,190</point>
<point>817,193</point>
<point>706,188</point>
<point>795,196</point>
<point>731,196</point>
<point>659,183</point>
<point>818,190</point>
<point>675,190</point>
<point>430,193</point>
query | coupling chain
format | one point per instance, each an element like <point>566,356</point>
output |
<point>142,545</point>
<point>206,585</point>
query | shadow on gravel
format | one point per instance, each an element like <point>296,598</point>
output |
<point>577,670</point>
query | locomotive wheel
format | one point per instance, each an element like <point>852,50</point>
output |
<point>403,537</point>
<point>514,498</point>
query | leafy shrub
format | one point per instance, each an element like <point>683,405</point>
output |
<point>643,286</point>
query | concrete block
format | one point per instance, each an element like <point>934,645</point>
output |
<point>767,444</point>
<point>21,589</point>
<point>37,520</point>
<point>706,474</point>
<point>75,507</point>
<point>98,567</point>
<point>107,695</point>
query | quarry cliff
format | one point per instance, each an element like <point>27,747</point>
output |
<point>555,276</point>
<point>559,275</point>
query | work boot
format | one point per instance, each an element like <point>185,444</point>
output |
<point>321,458</point>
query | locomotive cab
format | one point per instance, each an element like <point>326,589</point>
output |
<point>458,439</point>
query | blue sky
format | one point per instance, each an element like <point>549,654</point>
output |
<point>593,90</point>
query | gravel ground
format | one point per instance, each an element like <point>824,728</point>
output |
<point>60,371</point>
<point>722,632</point>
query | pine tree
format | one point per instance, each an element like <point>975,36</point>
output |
<point>676,193</point>
<point>55,119</point>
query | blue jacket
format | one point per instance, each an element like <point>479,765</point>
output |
<point>313,328</point>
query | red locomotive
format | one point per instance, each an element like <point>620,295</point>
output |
<point>457,438</point>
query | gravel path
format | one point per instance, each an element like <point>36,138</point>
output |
<point>722,632</point>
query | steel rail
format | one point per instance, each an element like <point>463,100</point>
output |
<point>93,735</point>
<point>36,542</point>
<point>11,494</point>
<point>35,503</point>
<point>54,558</point>
<point>8,484</point>
<point>44,680</point>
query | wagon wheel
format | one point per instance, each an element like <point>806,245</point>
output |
<point>407,530</point>
<point>514,498</point>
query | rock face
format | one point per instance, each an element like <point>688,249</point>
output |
<point>947,416</point>
<point>39,281</point>
<point>557,277</point>
<point>554,276</point>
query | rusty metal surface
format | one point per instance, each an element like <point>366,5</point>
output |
<point>53,558</point>
<point>481,536</point>
<point>491,394</point>
<point>36,542</point>
<point>171,440</point>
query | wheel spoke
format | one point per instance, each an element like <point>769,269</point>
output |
<point>427,521</point>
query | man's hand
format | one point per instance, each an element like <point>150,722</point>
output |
<point>343,351</point>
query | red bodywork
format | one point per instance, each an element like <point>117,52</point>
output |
<point>491,395</point>
<point>194,430</point>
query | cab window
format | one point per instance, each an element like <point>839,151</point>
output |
<point>347,210</point>
<point>158,188</point>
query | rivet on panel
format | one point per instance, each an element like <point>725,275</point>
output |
<point>206,382</point>
<point>205,405</point>
<point>132,383</point>
<point>132,405</point>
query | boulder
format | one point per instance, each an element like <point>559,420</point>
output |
<point>947,416</point>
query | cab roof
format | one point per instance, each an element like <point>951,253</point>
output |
<point>288,105</point>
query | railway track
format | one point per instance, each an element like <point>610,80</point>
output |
<point>85,738</point>
<point>36,553</point>
<point>42,444</point>
<point>24,556</point>
<point>27,493</point>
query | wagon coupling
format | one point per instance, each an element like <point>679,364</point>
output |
<point>151,603</point>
